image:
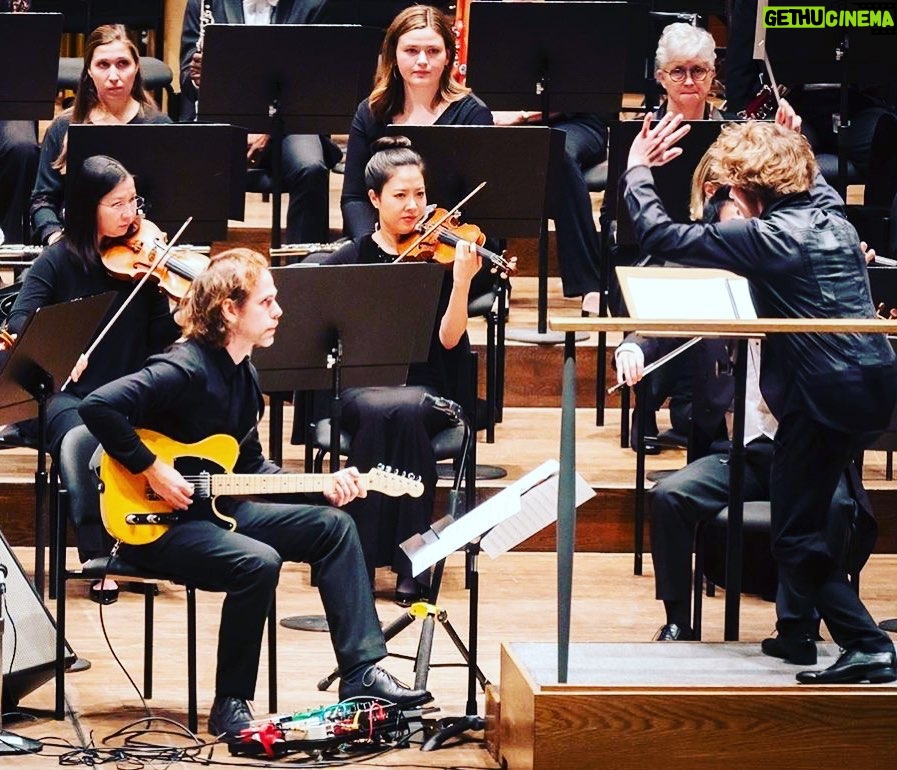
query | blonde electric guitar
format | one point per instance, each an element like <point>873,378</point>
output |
<point>134,514</point>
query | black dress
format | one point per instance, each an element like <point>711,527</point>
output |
<point>394,426</point>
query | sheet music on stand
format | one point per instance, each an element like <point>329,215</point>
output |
<point>518,511</point>
<point>685,293</point>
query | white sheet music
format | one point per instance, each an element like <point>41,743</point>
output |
<point>538,509</point>
<point>447,535</point>
<point>672,293</point>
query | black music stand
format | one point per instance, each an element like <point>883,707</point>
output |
<point>341,341</point>
<point>31,40</point>
<point>545,56</point>
<point>161,157</point>
<point>371,13</point>
<point>40,361</point>
<point>843,55</point>
<point>259,78</point>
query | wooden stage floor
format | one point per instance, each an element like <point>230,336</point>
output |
<point>517,604</point>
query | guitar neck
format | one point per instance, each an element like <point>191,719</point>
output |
<point>239,484</point>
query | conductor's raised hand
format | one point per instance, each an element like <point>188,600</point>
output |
<point>656,146</point>
<point>347,485</point>
<point>169,485</point>
<point>786,116</point>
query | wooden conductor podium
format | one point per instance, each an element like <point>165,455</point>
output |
<point>691,704</point>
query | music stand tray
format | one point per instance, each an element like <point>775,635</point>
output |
<point>382,315</point>
<point>249,71</point>
<point>161,156</point>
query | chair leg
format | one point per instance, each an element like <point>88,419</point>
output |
<point>54,518</point>
<point>149,613</point>
<point>500,353</point>
<point>59,710</point>
<point>272,657</point>
<point>192,709</point>
<point>698,580</point>
<point>490,377</point>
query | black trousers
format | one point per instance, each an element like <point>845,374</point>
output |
<point>19,154</point>
<point>571,206</point>
<point>245,564</point>
<point>809,460</point>
<point>698,492</point>
<point>392,426</point>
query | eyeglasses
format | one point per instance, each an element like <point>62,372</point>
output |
<point>135,203</point>
<point>679,74</point>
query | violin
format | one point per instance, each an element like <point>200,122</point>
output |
<point>136,254</point>
<point>434,239</point>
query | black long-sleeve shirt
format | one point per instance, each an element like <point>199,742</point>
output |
<point>189,393</point>
<point>802,259</point>
<point>359,215</point>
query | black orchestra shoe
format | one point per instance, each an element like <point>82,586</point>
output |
<point>408,591</point>
<point>792,648</point>
<point>103,595</point>
<point>375,682</point>
<point>853,667</point>
<point>670,632</point>
<point>228,717</point>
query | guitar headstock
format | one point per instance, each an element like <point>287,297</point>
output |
<point>393,482</point>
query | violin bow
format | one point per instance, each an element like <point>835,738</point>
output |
<point>450,213</point>
<point>159,262</point>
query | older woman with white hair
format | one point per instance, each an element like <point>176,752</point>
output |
<point>685,66</point>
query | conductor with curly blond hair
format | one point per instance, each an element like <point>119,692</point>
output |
<point>832,393</point>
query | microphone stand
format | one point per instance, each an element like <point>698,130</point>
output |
<point>10,743</point>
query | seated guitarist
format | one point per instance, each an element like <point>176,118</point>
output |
<point>205,386</point>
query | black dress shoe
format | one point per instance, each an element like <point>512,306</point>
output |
<point>375,682</point>
<point>793,648</point>
<point>229,716</point>
<point>855,666</point>
<point>103,595</point>
<point>670,632</point>
<point>408,591</point>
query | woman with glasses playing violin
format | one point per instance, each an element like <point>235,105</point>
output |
<point>685,63</point>
<point>110,91</point>
<point>394,425</point>
<point>104,208</point>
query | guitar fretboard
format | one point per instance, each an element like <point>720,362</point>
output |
<point>239,484</point>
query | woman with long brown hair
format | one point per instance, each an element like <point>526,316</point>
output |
<point>413,86</point>
<point>110,92</point>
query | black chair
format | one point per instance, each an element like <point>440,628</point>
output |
<point>77,478</point>
<point>710,557</point>
<point>157,75</point>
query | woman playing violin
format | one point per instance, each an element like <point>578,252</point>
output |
<point>394,425</point>
<point>413,86</point>
<point>110,91</point>
<point>103,210</point>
